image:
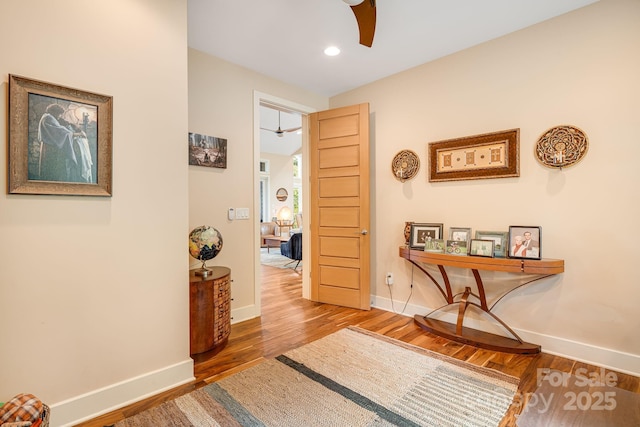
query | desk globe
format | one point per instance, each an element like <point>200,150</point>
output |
<point>205,242</point>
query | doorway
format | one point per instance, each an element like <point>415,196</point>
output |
<point>297,188</point>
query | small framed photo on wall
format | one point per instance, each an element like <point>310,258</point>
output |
<point>525,242</point>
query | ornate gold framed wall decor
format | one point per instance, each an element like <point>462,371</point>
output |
<point>405,165</point>
<point>490,155</point>
<point>60,140</point>
<point>561,146</point>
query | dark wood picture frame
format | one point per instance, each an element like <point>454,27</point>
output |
<point>517,234</point>
<point>421,231</point>
<point>490,155</point>
<point>78,160</point>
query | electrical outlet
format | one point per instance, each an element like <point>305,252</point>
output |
<point>389,278</point>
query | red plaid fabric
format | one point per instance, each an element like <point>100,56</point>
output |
<point>23,407</point>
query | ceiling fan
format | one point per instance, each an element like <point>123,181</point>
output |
<point>365,12</point>
<point>280,132</point>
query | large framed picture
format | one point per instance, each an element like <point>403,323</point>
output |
<point>60,139</point>
<point>525,242</point>
<point>481,248</point>
<point>490,155</point>
<point>500,239</point>
<point>422,233</point>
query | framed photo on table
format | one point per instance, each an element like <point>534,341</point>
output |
<point>500,239</point>
<point>525,242</point>
<point>423,232</point>
<point>461,234</point>
<point>60,140</point>
<point>481,248</point>
<point>435,246</point>
<point>456,247</point>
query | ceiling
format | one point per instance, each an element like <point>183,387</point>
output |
<point>285,39</point>
<point>290,142</point>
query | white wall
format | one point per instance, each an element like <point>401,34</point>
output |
<point>94,291</point>
<point>579,69</point>
<point>221,103</point>
<point>280,176</point>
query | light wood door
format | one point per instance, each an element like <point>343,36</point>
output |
<point>339,192</point>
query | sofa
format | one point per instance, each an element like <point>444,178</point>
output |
<point>267,229</point>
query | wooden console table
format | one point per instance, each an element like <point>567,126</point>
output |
<point>458,332</point>
<point>209,310</point>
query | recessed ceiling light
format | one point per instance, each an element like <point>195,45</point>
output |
<point>332,51</point>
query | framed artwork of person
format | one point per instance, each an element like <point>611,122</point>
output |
<point>525,242</point>
<point>60,140</point>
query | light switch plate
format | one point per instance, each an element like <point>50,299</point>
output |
<point>242,213</point>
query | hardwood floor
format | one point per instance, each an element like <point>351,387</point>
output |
<point>289,321</point>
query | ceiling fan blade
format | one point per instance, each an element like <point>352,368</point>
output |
<point>365,14</point>
<point>292,129</point>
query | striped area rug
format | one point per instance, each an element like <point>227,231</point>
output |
<point>350,378</point>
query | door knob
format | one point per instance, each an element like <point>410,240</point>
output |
<point>364,232</point>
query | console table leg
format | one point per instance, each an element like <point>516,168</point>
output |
<point>461,310</point>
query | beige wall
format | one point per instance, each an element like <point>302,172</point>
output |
<point>221,103</point>
<point>579,69</point>
<point>93,294</point>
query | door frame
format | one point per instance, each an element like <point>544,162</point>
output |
<point>304,110</point>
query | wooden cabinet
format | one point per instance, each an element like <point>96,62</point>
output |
<point>458,332</point>
<point>209,310</point>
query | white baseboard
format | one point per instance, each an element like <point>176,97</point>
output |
<point>244,313</point>
<point>91,405</point>
<point>98,402</point>
<point>607,358</point>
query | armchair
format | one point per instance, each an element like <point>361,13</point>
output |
<point>293,248</point>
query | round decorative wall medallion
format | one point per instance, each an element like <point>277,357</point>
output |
<point>282,194</point>
<point>405,165</point>
<point>561,146</point>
